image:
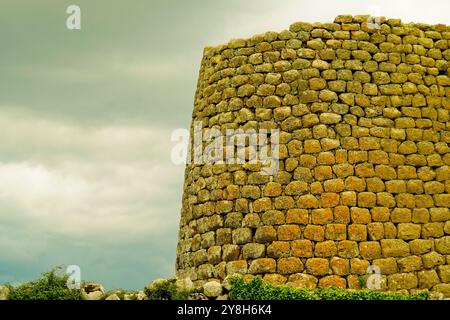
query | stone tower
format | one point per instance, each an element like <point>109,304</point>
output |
<point>361,107</point>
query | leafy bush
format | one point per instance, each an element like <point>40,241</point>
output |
<point>333,293</point>
<point>257,289</point>
<point>166,290</point>
<point>50,286</point>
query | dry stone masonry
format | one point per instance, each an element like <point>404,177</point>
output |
<point>364,170</point>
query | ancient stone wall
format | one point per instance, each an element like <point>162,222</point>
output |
<point>364,176</point>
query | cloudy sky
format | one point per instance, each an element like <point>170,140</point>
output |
<point>86,117</point>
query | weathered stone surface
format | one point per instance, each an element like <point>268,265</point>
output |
<point>443,245</point>
<point>401,281</point>
<point>140,295</point>
<point>113,296</point>
<point>238,266</point>
<point>408,231</point>
<point>363,176</point>
<point>443,288</point>
<point>386,265</point>
<point>348,249</point>
<point>427,279</point>
<point>333,280</point>
<point>357,232</point>
<point>359,266</point>
<point>184,284</point>
<point>253,250</point>
<point>197,296</point>
<point>303,280</point>
<point>325,249</point>
<point>317,266</point>
<point>440,214</point>
<point>330,118</point>
<point>265,234</point>
<point>289,232</point>
<point>370,250</point>
<point>444,273</point>
<point>302,248</point>
<point>96,295</point>
<point>262,265</point>
<point>93,287</point>
<point>432,230</point>
<point>313,232</point>
<point>394,248</point>
<point>212,289</point>
<point>410,263</point>
<point>420,246</point>
<point>242,235</point>
<point>4,292</point>
<point>289,265</point>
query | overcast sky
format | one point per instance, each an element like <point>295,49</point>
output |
<point>86,118</point>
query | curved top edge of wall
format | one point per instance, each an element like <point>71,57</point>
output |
<point>341,23</point>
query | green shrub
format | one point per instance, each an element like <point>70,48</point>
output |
<point>166,290</point>
<point>333,293</point>
<point>257,289</point>
<point>50,286</point>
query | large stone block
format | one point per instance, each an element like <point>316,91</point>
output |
<point>317,266</point>
<point>290,265</point>
<point>401,281</point>
<point>394,248</point>
<point>262,265</point>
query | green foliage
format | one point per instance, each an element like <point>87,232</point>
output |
<point>362,281</point>
<point>257,289</point>
<point>50,286</point>
<point>166,290</point>
<point>333,293</point>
